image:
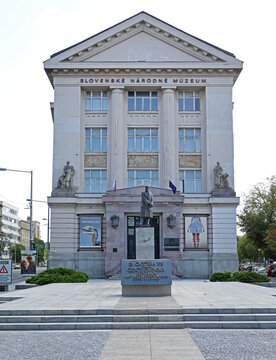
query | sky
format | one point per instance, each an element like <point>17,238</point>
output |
<point>32,30</point>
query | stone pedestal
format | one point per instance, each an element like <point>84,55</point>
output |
<point>146,277</point>
<point>145,243</point>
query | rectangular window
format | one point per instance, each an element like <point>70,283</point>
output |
<point>95,181</point>
<point>143,140</point>
<point>95,140</point>
<point>190,181</point>
<point>142,177</point>
<point>96,101</point>
<point>142,101</point>
<point>189,141</point>
<point>188,101</point>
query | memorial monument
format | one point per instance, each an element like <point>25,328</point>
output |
<point>146,276</point>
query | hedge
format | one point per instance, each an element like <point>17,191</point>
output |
<point>58,275</point>
<point>244,276</point>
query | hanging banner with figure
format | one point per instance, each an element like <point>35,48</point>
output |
<point>28,264</point>
<point>196,232</point>
<point>90,231</point>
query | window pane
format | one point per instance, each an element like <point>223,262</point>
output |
<point>181,144</point>
<point>96,132</point>
<point>154,132</point>
<point>146,105</point>
<point>130,144</point>
<point>95,186</point>
<point>189,132</point>
<point>189,186</point>
<point>96,104</point>
<point>154,144</point>
<point>154,94</point>
<point>104,144</point>
<point>189,174</point>
<point>142,131</point>
<point>142,94</point>
<point>139,144</point>
<point>131,104</point>
<point>87,186</point>
<point>138,104</point>
<point>104,106</point>
<point>130,131</point>
<point>96,143</point>
<point>154,183</point>
<point>198,186</point>
<point>180,104</point>
<point>130,183</point>
<point>197,104</point>
<point>189,104</point>
<point>154,104</point>
<point>197,145</point>
<point>131,93</point>
<point>87,104</point>
<point>87,145</point>
<point>96,94</point>
<point>146,144</point>
<point>154,174</point>
<point>189,145</point>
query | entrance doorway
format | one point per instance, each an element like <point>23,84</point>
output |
<point>132,223</point>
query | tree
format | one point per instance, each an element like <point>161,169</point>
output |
<point>17,255</point>
<point>39,247</point>
<point>247,251</point>
<point>259,213</point>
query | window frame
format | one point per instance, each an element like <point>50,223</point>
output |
<point>135,179</point>
<point>136,136</point>
<point>195,180</point>
<point>101,180</point>
<point>90,138</point>
<point>194,97</point>
<point>184,137</point>
<point>103,96</point>
<point>150,98</point>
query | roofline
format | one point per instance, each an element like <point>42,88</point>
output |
<point>154,17</point>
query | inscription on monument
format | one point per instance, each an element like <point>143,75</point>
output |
<point>146,272</point>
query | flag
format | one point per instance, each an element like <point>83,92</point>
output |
<point>114,185</point>
<point>172,186</point>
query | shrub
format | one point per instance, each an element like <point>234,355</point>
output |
<point>244,276</point>
<point>249,277</point>
<point>219,276</point>
<point>58,275</point>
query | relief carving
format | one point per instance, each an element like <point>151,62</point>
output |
<point>189,161</point>
<point>95,161</point>
<point>142,161</point>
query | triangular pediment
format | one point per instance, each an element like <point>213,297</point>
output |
<point>142,38</point>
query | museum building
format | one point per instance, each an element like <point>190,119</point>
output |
<point>143,103</point>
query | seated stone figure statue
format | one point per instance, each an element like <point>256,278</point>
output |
<point>65,181</point>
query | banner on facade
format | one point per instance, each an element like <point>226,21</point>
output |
<point>196,232</point>
<point>90,231</point>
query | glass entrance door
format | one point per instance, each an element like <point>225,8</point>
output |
<point>132,223</point>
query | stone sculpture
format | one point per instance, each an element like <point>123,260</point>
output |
<point>65,181</point>
<point>221,179</point>
<point>146,207</point>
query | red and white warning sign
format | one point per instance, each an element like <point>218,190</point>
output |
<point>5,271</point>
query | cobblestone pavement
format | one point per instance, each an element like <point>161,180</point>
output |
<point>54,345</point>
<point>236,344</point>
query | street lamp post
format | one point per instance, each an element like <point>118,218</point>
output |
<point>31,200</point>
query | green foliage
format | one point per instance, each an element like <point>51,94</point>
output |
<point>249,277</point>
<point>247,251</point>
<point>58,275</point>
<point>219,276</point>
<point>16,252</point>
<point>243,276</point>
<point>259,212</point>
<point>39,246</point>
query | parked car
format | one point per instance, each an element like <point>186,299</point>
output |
<point>261,270</point>
<point>17,266</point>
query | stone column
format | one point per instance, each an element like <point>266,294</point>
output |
<point>117,139</point>
<point>168,146</point>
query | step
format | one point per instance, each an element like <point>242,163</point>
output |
<point>136,318</point>
<point>139,325</point>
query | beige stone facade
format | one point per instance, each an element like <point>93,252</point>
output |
<point>142,103</point>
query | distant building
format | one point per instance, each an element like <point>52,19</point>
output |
<point>9,225</point>
<point>25,232</point>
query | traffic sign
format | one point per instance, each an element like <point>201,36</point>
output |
<point>5,271</point>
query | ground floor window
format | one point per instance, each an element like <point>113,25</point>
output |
<point>142,177</point>
<point>190,181</point>
<point>95,181</point>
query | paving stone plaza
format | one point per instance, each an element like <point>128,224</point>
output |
<point>201,320</point>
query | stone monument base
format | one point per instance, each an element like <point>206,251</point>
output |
<point>146,277</point>
<point>146,290</point>
<point>225,192</point>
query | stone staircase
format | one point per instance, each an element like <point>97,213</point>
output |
<point>106,319</point>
